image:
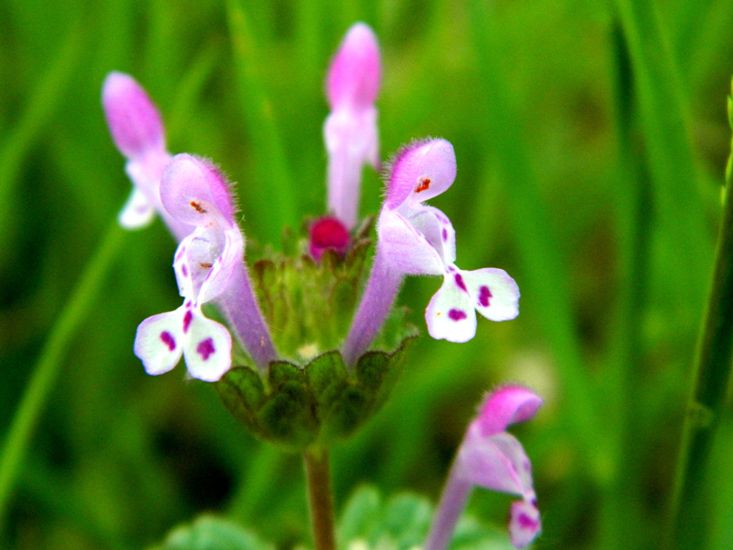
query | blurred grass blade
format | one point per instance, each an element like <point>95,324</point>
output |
<point>51,359</point>
<point>711,380</point>
<point>544,279</point>
<point>42,101</point>
<point>271,195</point>
<point>671,161</point>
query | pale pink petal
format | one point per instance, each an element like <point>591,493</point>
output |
<point>421,171</point>
<point>355,72</point>
<point>208,348</point>
<point>524,523</point>
<point>132,118</point>
<point>405,249</point>
<point>137,212</point>
<point>450,314</point>
<point>495,294</point>
<point>158,342</point>
<point>218,278</point>
<point>507,405</point>
<point>436,228</point>
<point>497,462</point>
<point>193,191</point>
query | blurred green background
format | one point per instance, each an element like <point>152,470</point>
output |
<point>591,147</point>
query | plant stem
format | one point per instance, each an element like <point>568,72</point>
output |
<point>376,302</point>
<point>452,502</point>
<point>319,498</point>
<point>712,375</point>
<point>50,361</point>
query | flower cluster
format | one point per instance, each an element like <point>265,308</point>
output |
<point>195,201</point>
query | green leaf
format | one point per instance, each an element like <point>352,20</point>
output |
<point>212,533</point>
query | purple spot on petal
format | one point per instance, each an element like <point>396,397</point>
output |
<point>459,281</point>
<point>168,340</point>
<point>457,314</point>
<point>526,522</point>
<point>445,234</point>
<point>180,253</point>
<point>205,348</point>
<point>184,270</point>
<point>187,318</point>
<point>483,296</point>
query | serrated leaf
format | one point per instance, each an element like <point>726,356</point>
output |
<point>210,532</point>
<point>242,392</point>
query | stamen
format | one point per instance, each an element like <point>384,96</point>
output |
<point>196,205</point>
<point>423,184</point>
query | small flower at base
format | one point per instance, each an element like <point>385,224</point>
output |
<point>350,131</point>
<point>327,233</point>
<point>490,457</point>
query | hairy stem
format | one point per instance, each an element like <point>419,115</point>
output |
<point>319,498</point>
<point>452,502</point>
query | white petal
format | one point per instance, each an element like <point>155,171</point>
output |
<point>218,279</point>
<point>524,523</point>
<point>450,314</point>
<point>407,250</point>
<point>497,462</point>
<point>437,229</point>
<point>208,348</point>
<point>495,294</point>
<point>137,212</point>
<point>158,342</point>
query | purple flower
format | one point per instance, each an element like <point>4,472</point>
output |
<point>490,457</point>
<point>350,131</point>
<point>416,239</point>
<point>194,193</point>
<point>138,133</point>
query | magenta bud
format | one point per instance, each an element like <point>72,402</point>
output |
<point>328,233</point>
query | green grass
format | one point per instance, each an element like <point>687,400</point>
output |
<point>591,140</point>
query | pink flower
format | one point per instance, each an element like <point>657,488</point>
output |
<point>195,194</point>
<point>138,133</point>
<point>492,458</point>
<point>350,131</point>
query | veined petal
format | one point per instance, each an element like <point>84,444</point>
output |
<point>495,294</point>
<point>450,314</point>
<point>133,120</point>
<point>193,191</point>
<point>497,462</point>
<point>137,212</point>
<point>207,349</point>
<point>405,249</point>
<point>437,229</point>
<point>158,342</point>
<point>524,523</point>
<point>505,406</point>
<point>420,171</point>
<point>355,72</point>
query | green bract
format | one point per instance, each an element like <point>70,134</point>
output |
<point>313,398</point>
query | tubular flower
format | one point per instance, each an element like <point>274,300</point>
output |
<point>195,194</point>
<point>350,131</point>
<point>492,458</point>
<point>416,239</point>
<point>138,133</point>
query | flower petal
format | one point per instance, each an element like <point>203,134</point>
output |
<point>158,342</point>
<point>137,212</point>
<point>355,72</point>
<point>193,191</point>
<point>497,462</point>
<point>495,294</point>
<point>218,279</point>
<point>450,314</point>
<point>505,406</point>
<point>524,523</point>
<point>437,229</point>
<point>208,348</point>
<point>405,249</point>
<point>421,171</point>
<point>133,120</point>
